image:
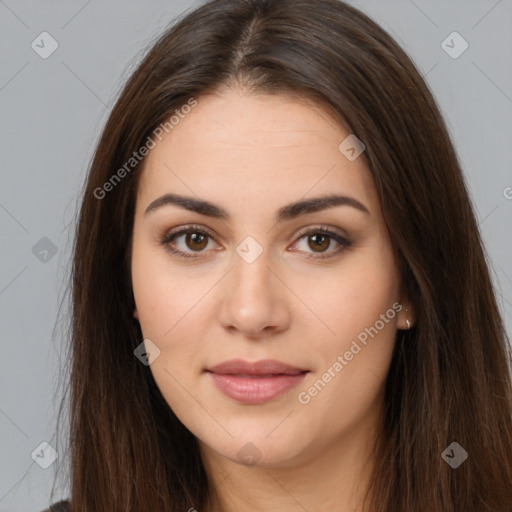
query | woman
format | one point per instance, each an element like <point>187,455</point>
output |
<point>280,295</point>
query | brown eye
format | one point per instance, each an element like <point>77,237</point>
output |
<point>316,243</point>
<point>188,242</point>
<point>319,242</point>
<point>196,241</point>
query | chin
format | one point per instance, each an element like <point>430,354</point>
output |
<point>255,447</point>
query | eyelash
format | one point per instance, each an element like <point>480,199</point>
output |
<point>320,230</point>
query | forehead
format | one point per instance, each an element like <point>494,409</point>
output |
<point>237,146</point>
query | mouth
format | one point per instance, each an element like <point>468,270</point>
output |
<point>257,382</point>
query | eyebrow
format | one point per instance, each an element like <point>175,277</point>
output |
<point>288,212</point>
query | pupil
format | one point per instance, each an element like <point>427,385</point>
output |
<point>196,239</point>
<point>317,243</point>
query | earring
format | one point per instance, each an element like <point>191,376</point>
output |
<point>408,323</point>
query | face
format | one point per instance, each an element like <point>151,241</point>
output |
<point>301,302</point>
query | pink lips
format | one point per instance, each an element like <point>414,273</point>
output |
<point>255,383</point>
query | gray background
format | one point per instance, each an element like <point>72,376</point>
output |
<point>52,111</point>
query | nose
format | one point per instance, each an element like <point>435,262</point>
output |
<point>254,299</point>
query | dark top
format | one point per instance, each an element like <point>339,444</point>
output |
<point>61,506</point>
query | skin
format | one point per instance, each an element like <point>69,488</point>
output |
<point>252,155</point>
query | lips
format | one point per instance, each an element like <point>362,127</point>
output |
<point>257,382</point>
<point>263,367</point>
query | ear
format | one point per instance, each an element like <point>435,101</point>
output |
<point>136,314</point>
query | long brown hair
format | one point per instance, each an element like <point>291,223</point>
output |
<point>449,379</point>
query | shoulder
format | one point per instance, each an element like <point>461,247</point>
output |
<point>61,506</point>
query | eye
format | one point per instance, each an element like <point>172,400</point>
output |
<point>195,239</point>
<point>320,239</point>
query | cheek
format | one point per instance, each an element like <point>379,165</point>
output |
<point>166,302</point>
<point>361,306</point>
<point>164,296</point>
<point>171,305</point>
<point>362,311</point>
<point>350,299</point>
